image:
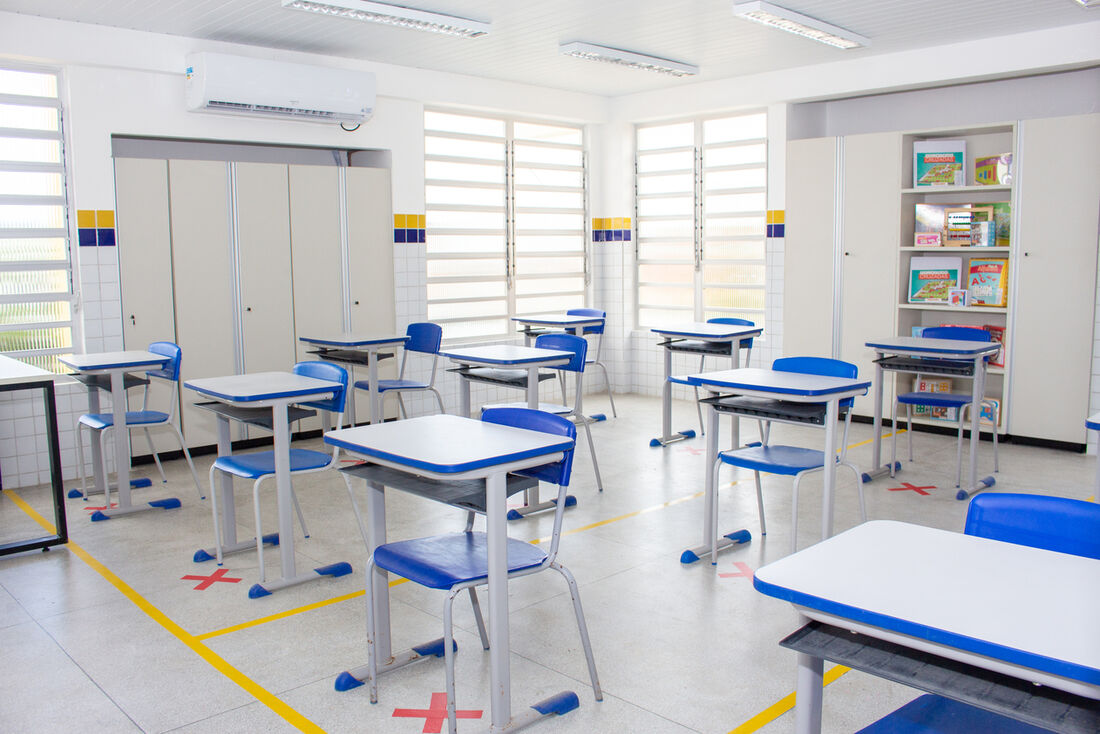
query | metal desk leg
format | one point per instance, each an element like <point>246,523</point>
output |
<point>877,468</point>
<point>667,436</point>
<point>809,692</point>
<point>974,485</point>
<point>372,376</point>
<point>464,397</point>
<point>832,409</point>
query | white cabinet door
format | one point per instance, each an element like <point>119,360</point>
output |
<point>370,250</point>
<point>808,248</point>
<point>869,246</point>
<point>263,244</point>
<point>318,264</point>
<point>202,271</point>
<point>1059,188</point>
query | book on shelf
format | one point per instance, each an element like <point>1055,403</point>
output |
<point>932,277</point>
<point>1002,220</point>
<point>998,335</point>
<point>993,170</point>
<point>939,384</point>
<point>983,234</point>
<point>939,163</point>
<point>958,222</point>
<point>928,222</point>
<point>958,297</point>
<point>987,281</point>
<point>991,413</point>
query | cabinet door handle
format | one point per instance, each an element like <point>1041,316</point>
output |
<point>846,253</point>
<point>1026,254</point>
<point>133,321</point>
<point>356,303</point>
<point>248,308</point>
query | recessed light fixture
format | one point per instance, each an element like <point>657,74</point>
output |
<point>802,25</point>
<point>395,15</point>
<point>591,51</point>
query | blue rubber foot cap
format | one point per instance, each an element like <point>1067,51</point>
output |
<point>74,493</point>
<point>961,494</point>
<point>688,557</point>
<point>753,444</point>
<point>989,481</point>
<point>201,556</point>
<point>598,417</point>
<point>435,648</point>
<point>346,681</point>
<point>865,477</point>
<point>654,442</point>
<point>689,433</point>
<point>141,482</point>
<point>561,703</point>
<point>166,504</point>
<point>741,536</point>
<point>270,538</point>
<point>97,516</point>
<point>570,500</point>
<point>257,592</point>
<point>336,569</point>
<point>897,466</point>
<point>514,515</point>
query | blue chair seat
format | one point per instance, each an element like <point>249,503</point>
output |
<point>442,561</point>
<point>936,399</point>
<point>260,464</point>
<point>99,421</point>
<point>784,460</point>
<point>384,385</point>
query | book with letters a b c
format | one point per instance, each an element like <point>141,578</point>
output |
<point>931,279</point>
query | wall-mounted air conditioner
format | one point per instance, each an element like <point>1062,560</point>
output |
<point>245,86</point>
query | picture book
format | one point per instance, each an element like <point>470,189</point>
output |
<point>991,413</point>
<point>928,222</point>
<point>988,281</point>
<point>998,335</point>
<point>993,170</point>
<point>930,278</point>
<point>958,222</point>
<point>1002,219</point>
<point>939,163</point>
<point>939,384</point>
<point>957,296</point>
<point>983,234</point>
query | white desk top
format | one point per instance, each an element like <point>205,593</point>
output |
<point>709,332</point>
<point>939,347</point>
<point>507,354</point>
<point>13,371</point>
<point>792,384</point>
<point>1025,606</point>
<point>355,340</point>
<point>260,386</point>
<point>559,320</point>
<point>448,444</point>
<point>114,360</point>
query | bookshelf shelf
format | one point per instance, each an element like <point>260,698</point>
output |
<point>956,309</point>
<point>933,250</point>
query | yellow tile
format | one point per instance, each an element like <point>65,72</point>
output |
<point>780,216</point>
<point>85,218</point>
<point>399,221</point>
<point>597,223</point>
<point>618,223</point>
<point>626,222</point>
<point>105,218</point>
<point>421,221</point>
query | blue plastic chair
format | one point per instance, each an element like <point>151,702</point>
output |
<point>459,561</point>
<point>959,401</point>
<point>145,419</point>
<point>579,347</point>
<point>424,338</point>
<point>598,331</point>
<point>791,460</point>
<point>1053,523</point>
<point>259,465</point>
<point>745,344</point>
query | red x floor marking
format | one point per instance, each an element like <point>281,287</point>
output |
<point>435,714</point>
<point>219,575</point>
<point>906,485</point>
<point>693,452</point>
<point>93,509</point>
<point>746,572</point>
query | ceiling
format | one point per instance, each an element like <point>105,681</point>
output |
<point>523,43</point>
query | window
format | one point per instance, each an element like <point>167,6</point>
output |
<point>506,213</point>
<point>701,192</point>
<point>35,277</point>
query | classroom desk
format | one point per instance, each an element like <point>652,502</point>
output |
<point>336,348</point>
<point>277,391</point>
<point>559,322</point>
<point>792,387</point>
<point>1025,613</point>
<point>702,339</point>
<point>505,356</point>
<point>448,447</point>
<point>115,365</point>
<point>17,375</point>
<point>944,357</point>
<point>1093,424</point>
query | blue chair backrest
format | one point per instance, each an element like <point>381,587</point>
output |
<point>537,420</point>
<point>171,370</point>
<point>424,336</point>
<point>960,333</point>
<point>565,343</point>
<point>332,373</point>
<point>731,321</point>
<point>1054,523</point>
<point>594,313</point>
<point>819,366</point>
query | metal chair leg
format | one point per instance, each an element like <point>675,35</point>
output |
<point>190,464</point>
<point>760,504</point>
<point>959,449</point>
<point>582,627</point>
<point>592,450</point>
<point>479,619</point>
<point>372,653</point>
<point>156,456</point>
<point>214,508</point>
<point>449,660</point>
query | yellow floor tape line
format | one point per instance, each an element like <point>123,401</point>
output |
<point>261,694</point>
<point>783,705</point>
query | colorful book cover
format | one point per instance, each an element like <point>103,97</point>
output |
<point>988,281</point>
<point>997,333</point>
<point>931,278</point>
<point>1002,218</point>
<point>939,384</point>
<point>939,163</point>
<point>991,413</point>
<point>993,170</point>
<point>928,222</point>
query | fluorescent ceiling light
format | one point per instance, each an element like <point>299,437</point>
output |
<point>394,15</point>
<point>802,25</point>
<point>629,59</point>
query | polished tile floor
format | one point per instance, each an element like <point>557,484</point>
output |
<point>109,634</point>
